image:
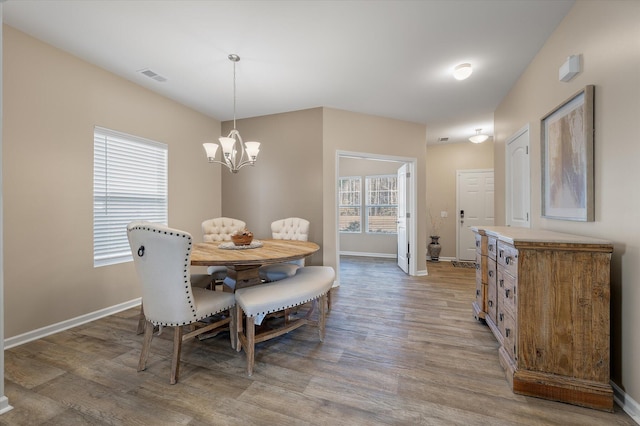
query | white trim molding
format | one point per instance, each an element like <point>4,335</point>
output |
<point>4,401</point>
<point>70,323</point>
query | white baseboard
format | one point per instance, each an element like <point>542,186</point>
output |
<point>363,254</point>
<point>628,405</point>
<point>4,405</point>
<point>70,323</point>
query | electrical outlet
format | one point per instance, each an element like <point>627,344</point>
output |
<point>444,214</point>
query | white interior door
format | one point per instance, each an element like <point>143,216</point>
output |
<point>475,196</point>
<point>403,247</point>
<point>518,180</point>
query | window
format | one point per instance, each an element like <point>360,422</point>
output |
<point>382,204</point>
<point>349,190</point>
<point>129,183</point>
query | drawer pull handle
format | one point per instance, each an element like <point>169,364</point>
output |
<point>506,293</point>
<point>501,316</point>
<point>491,273</point>
<point>507,331</point>
<point>477,243</point>
<point>501,251</point>
<point>477,266</point>
<point>507,260</point>
<point>490,303</point>
<point>490,247</point>
<point>478,292</point>
<point>501,283</point>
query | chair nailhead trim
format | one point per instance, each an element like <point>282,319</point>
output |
<point>186,267</point>
<point>288,306</point>
<point>168,324</point>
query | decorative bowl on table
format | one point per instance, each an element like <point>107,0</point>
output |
<point>242,238</point>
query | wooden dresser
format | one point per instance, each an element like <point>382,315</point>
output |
<point>545,296</point>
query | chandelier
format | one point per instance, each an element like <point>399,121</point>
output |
<point>233,159</point>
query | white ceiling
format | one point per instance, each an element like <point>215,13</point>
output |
<point>386,58</point>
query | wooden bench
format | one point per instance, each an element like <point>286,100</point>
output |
<point>309,284</point>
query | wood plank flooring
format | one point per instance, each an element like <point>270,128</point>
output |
<point>398,350</point>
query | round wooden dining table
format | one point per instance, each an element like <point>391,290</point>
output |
<point>243,263</point>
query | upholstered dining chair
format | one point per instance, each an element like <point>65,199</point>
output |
<point>162,259</point>
<point>216,229</point>
<point>292,228</point>
<point>197,280</point>
<point>220,229</point>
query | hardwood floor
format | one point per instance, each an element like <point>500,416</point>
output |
<point>398,350</point>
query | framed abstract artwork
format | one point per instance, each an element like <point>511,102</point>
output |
<point>567,159</point>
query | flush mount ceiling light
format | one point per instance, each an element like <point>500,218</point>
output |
<point>478,137</point>
<point>462,71</point>
<point>248,151</point>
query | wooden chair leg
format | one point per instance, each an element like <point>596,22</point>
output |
<point>233,328</point>
<point>239,328</point>
<point>177,348</point>
<point>250,331</point>
<point>146,344</point>
<point>322,313</point>
<point>141,321</point>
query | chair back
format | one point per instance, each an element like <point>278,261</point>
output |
<point>220,228</point>
<point>291,228</point>
<point>162,258</point>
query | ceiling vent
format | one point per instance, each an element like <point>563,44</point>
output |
<point>443,139</point>
<point>157,77</point>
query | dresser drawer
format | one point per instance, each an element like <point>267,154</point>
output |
<point>481,244</point>
<point>492,247</point>
<point>508,258</point>
<point>492,291</point>
<point>507,293</point>
<point>509,330</point>
<point>481,268</point>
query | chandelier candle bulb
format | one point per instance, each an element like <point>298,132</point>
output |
<point>211,149</point>
<point>227,146</point>
<point>252,148</point>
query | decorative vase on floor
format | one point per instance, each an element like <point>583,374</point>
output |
<point>433,249</point>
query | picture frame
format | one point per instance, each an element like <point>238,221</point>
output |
<point>567,138</point>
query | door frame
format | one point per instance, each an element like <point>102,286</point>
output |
<point>412,209</point>
<point>508,190</point>
<point>403,258</point>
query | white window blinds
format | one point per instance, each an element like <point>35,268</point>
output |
<point>129,183</point>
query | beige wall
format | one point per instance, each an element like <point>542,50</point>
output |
<point>353,132</point>
<point>363,242</point>
<point>607,34</point>
<point>443,161</point>
<point>52,101</point>
<point>296,170</point>
<point>287,178</point>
